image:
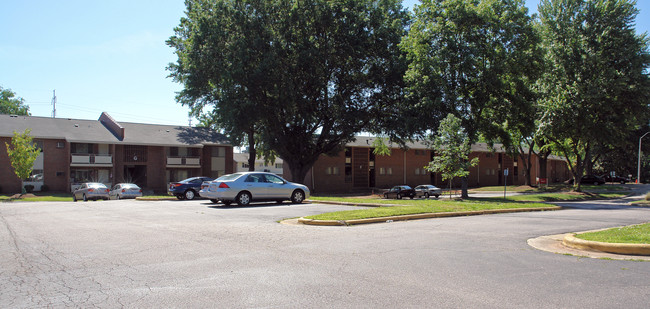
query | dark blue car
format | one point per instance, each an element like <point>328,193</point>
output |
<point>188,188</point>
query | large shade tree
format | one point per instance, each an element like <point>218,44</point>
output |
<point>303,75</point>
<point>595,91</point>
<point>12,105</point>
<point>475,59</point>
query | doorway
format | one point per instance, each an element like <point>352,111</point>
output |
<point>136,174</point>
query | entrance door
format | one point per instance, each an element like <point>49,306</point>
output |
<point>136,174</point>
<point>360,167</point>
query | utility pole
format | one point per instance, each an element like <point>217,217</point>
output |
<point>54,103</point>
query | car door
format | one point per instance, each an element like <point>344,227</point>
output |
<point>277,187</point>
<point>257,186</point>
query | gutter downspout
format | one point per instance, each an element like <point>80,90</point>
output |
<point>404,166</point>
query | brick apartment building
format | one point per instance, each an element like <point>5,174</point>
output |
<point>357,168</point>
<point>74,151</point>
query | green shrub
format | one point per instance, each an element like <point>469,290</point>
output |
<point>647,197</point>
<point>29,188</point>
<point>45,188</point>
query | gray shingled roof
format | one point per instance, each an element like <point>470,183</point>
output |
<point>93,131</point>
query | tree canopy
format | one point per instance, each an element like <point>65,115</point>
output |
<point>12,105</point>
<point>306,75</point>
<point>476,60</point>
<point>452,147</point>
<point>22,153</point>
<point>596,88</point>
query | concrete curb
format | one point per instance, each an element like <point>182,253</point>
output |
<point>351,204</point>
<point>635,249</point>
<point>156,198</point>
<point>420,216</point>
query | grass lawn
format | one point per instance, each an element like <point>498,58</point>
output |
<point>562,196</point>
<point>633,234</point>
<point>39,197</point>
<point>417,206</point>
<point>549,188</point>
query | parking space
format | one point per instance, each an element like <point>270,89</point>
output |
<point>130,253</point>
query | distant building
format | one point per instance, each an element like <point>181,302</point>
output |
<point>74,151</point>
<point>358,168</point>
<point>241,164</point>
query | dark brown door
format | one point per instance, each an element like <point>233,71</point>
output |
<point>360,167</point>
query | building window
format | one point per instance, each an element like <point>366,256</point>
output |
<point>389,171</point>
<point>420,171</point>
<point>420,152</point>
<point>278,165</point>
<point>133,154</point>
<point>382,171</point>
<point>218,152</point>
<point>348,165</point>
<point>332,170</point>
<point>244,165</point>
<point>60,145</point>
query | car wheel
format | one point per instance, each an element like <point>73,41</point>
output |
<point>214,201</point>
<point>243,198</point>
<point>437,195</point>
<point>399,196</point>
<point>297,197</point>
<point>189,194</point>
<point>85,198</point>
<point>227,203</point>
<point>279,202</point>
<point>117,197</point>
<point>426,195</point>
<point>180,196</point>
<point>74,198</point>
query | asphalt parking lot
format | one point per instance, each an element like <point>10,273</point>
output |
<point>131,254</point>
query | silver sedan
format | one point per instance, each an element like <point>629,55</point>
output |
<point>90,191</point>
<point>125,190</point>
<point>247,187</point>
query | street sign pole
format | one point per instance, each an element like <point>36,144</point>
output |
<point>505,182</point>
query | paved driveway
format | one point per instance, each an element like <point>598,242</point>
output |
<point>192,254</point>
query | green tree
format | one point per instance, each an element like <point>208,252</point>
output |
<point>12,105</point>
<point>22,154</point>
<point>303,75</point>
<point>452,147</point>
<point>596,89</point>
<point>476,60</point>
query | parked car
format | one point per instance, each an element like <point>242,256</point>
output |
<point>427,190</point>
<point>246,187</point>
<point>188,188</point>
<point>399,192</point>
<point>588,179</point>
<point>125,190</point>
<point>90,191</point>
<point>619,179</point>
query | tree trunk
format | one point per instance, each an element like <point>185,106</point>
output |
<point>252,153</point>
<point>463,186</point>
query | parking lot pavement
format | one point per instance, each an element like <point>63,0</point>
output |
<point>197,254</point>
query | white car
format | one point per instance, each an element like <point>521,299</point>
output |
<point>125,190</point>
<point>247,187</point>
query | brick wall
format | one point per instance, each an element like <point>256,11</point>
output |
<point>9,182</point>
<point>56,165</point>
<point>156,162</point>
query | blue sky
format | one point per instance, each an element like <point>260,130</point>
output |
<point>106,56</point>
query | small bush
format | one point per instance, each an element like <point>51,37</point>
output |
<point>647,197</point>
<point>29,188</point>
<point>44,188</point>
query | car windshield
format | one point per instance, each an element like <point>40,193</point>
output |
<point>130,186</point>
<point>96,185</point>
